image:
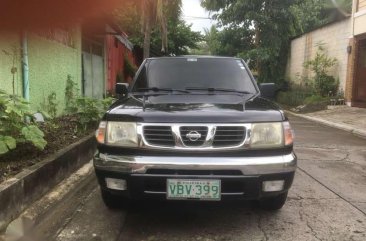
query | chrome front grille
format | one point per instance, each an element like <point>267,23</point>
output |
<point>193,136</point>
<point>187,133</point>
<point>159,135</point>
<point>228,136</point>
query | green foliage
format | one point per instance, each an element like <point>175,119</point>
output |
<point>50,106</point>
<point>313,99</point>
<point>260,31</point>
<point>231,41</point>
<point>180,37</point>
<point>87,111</point>
<point>71,92</point>
<point>324,83</point>
<point>33,133</point>
<point>300,95</point>
<point>309,14</point>
<point>294,97</point>
<point>17,124</point>
<point>140,18</point>
<point>7,143</point>
<point>106,103</point>
<point>321,63</point>
<point>201,49</point>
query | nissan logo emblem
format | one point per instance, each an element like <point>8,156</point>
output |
<point>193,135</point>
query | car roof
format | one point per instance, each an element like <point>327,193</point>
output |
<point>194,56</point>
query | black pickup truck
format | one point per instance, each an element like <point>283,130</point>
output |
<point>194,128</point>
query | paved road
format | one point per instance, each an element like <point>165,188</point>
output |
<point>327,202</point>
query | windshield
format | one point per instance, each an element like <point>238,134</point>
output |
<point>183,73</point>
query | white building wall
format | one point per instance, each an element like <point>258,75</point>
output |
<point>334,38</point>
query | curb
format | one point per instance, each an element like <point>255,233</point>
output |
<point>43,219</point>
<point>19,192</point>
<point>358,132</point>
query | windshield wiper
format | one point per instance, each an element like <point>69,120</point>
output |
<point>156,89</point>
<point>219,89</point>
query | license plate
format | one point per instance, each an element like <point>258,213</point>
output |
<point>194,189</point>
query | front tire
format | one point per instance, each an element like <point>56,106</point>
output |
<point>113,201</point>
<point>273,203</point>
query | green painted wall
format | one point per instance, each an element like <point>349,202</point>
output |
<point>50,63</point>
<point>9,52</point>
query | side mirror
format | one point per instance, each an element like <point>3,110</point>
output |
<point>268,90</point>
<point>122,89</point>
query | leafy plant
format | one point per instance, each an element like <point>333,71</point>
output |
<point>17,124</point>
<point>71,92</point>
<point>324,83</point>
<point>50,105</point>
<point>106,103</point>
<point>7,143</point>
<point>87,111</point>
<point>35,135</point>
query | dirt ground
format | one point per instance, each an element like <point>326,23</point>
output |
<point>59,134</point>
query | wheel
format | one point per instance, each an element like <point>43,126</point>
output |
<point>273,203</point>
<point>113,201</point>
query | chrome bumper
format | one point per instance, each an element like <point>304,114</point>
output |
<point>247,165</point>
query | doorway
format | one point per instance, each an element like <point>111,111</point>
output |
<point>359,91</point>
<point>93,68</point>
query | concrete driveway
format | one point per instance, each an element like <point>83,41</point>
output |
<point>327,202</point>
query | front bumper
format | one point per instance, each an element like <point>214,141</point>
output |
<point>241,177</point>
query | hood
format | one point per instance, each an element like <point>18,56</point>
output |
<point>191,108</point>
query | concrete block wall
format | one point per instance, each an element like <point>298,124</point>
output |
<point>49,62</point>
<point>361,5</point>
<point>9,52</point>
<point>334,38</point>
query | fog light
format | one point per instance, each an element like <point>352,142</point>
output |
<point>116,184</point>
<point>273,186</point>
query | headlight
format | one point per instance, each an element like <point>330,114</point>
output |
<point>267,135</point>
<point>122,133</point>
